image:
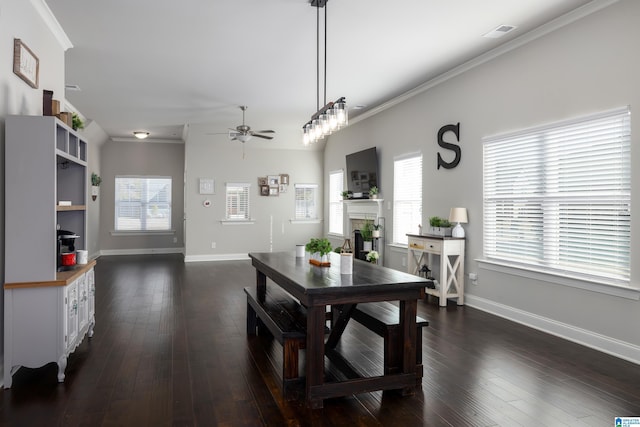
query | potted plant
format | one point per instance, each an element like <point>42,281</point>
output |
<point>439,226</point>
<point>95,183</point>
<point>373,256</point>
<point>76,122</point>
<point>373,192</point>
<point>319,248</point>
<point>345,194</point>
<point>367,235</point>
<point>377,228</point>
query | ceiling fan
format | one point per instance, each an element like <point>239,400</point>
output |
<point>243,133</point>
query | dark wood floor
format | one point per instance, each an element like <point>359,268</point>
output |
<point>170,349</point>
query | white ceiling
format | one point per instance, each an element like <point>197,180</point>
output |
<point>157,65</point>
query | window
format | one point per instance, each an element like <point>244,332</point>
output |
<point>306,198</point>
<point>558,197</point>
<point>142,203</point>
<point>336,187</point>
<point>407,197</point>
<point>237,206</point>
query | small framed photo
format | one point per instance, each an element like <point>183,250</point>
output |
<point>273,180</point>
<point>283,188</point>
<point>262,180</point>
<point>25,63</point>
<point>284,179</point>
<point>207,186</point>
<point>274,191</point>
<point>264,190</point>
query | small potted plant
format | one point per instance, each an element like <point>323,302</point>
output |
<point>367,235</point>
<point>345,194</point>
<point>375,233</point>
<point>373,256</point>
<point>76,122</point>
<point>439,226</point>
<point>373,192</point>
<point>95,183</point>
<point>319,248</point>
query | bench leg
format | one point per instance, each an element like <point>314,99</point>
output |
<point>290,359</point>
<point>252,320</point>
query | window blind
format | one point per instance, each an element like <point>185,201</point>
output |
<point>306,201</point>
<point>407,197</point>
<point>237,201</point>
<point>336,213</point>
<point>142,203</point>
<point>559,197</point>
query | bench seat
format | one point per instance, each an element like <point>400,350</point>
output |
<point>285,319</point>
<point>382,318</point>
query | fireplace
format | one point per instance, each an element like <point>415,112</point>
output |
<point>356,213</point>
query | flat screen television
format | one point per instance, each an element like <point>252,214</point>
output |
<point>362,172</point>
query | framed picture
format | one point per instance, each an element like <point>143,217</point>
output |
<point>284,179</point>
<point>273,180</point>
<point>273,191</point>
<point>262,180</point>
<point>264,190</point>
<point>207,186</point>
<point>25,63</point>
<point>283,188</point>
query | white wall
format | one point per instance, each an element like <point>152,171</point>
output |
<point>588,66</point>
<point>216,157</point>
<point>140,158</point>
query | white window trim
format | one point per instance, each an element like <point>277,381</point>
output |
<point>169,231</point>
<point>400,157</point>
<point>333,233</point>
<point>237,221</point>
<point>306,220</point>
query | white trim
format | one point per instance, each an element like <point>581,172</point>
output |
<point>623,350</point>
<point>52,23</point>
<point>142,232</point>
<point>305,221</point>
<point>548,277</point>
<point>238,221</point>
<point>535,34</point>
<point>151,251</point>
<point>223,257</point>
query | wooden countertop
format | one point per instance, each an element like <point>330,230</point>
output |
<point>63,278</point>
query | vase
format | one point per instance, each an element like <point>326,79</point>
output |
<point>367,245</point>
<point>375,234</point>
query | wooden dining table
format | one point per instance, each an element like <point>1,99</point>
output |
<point>319,287</point>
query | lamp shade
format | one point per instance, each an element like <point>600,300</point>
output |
<point>458,215</point>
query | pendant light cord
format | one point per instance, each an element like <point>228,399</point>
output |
<point>325,54</point>
<point>317,57</point>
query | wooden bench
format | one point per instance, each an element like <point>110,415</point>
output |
<point>382,318</point>
<point>285,319</point>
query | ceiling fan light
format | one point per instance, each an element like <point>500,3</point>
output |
<point>243,137</point>
<point>140,134</point>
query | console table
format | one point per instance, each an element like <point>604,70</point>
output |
<point>451,251</point>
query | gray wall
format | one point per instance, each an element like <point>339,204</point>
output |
<point>140,158</point>
<point>211,156</point>
<point>588,66</point>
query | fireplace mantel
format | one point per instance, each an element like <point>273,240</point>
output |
<point>363,208</point>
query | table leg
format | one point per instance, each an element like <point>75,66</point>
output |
<point>315,353</point>
<point>408,331</point>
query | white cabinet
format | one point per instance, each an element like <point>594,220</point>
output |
<point>46,313</point>
<point>450,250</point>
<point>43,323</point>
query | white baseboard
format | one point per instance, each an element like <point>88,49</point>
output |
<point>612,346</point>
<point>142,251</point>
<point>222,257</point>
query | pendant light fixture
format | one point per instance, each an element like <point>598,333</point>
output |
<point>333,115</point>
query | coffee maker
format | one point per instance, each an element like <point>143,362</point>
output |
<point>65,245</point>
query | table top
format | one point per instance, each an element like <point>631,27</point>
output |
<point>312,284</point>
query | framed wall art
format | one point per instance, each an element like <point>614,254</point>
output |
<point>25,63</point>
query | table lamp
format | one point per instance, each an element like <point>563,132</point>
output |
<point>458,215</point>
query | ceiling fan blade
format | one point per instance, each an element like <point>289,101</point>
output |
<point>264,131</point>
<point>262,136</point>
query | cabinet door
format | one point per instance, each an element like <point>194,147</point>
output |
<point>71,318</point>
<point>83,303</point>
<point>91,287</point>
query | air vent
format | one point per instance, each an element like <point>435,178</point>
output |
<point>500,31</point>
<point>72,87</point>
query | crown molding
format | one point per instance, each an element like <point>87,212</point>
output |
<point>52,23</point>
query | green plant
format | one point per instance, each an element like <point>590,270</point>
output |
<point>367,230</point>
<point>372,256</point>
<point>436,221</point>
<point>321,245</point>
<point>373,190</point>
<point>76,122</point>
<point>95,179</point>
<point>377,226</point>
<point>345,194</point>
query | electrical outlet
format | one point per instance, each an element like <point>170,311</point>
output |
<point>213,245</point>
<point>175,240</point>
<point>473,276</point>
